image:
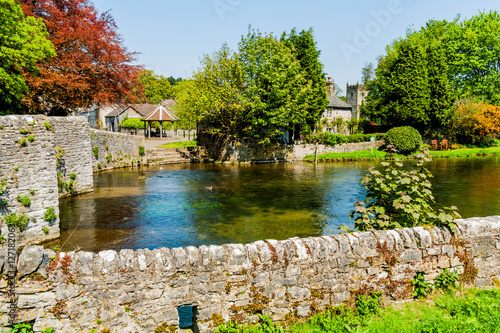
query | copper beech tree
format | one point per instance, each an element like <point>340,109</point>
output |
<point>91,66</point>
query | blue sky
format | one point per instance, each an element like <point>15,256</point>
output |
<point>172,36</point>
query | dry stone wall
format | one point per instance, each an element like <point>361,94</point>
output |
<point>28,174</point>
<point>73,155</point>
<point>114,150</point>
<point>140,291</point>
<point>301,151</point>
<point>242,153</point>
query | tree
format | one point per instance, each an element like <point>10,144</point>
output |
<point>23,43</point>
<point>156,87</point>
<point>304,48</point>
<point>91,65</point>
<point>473,52</point>
<point>187,107</point>
<point>275,91</point>
<point>173,81</point>
<point>400,93</point>
<point>475,122</point>
<point>367,73</point>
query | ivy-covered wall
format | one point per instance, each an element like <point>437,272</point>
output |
<point>140,291</point>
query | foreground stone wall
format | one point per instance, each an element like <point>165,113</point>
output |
<point>114,150</point>
<point>139,291</point>
<point>28,169</point>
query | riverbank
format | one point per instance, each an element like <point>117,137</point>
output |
<point>367,155</point>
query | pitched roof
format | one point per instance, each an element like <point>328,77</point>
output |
<point>160,114</point>
<point>335,102</point>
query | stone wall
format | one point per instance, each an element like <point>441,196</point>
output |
<point>114,150</point>
<point>139,291</point>
<point>301,151</point>
<point>242,153</point>
<point>73,155</point>
<point>160,156</point>
<point>28,170</point>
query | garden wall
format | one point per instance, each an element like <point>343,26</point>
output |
<point>243,153</point>
<point>140,291</point>
<point>301,151</point>
<point>114,150</point>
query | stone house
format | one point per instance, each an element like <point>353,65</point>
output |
<point>337,113</point>
<point>355,96</point>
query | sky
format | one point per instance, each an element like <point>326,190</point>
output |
<point>172,36</point>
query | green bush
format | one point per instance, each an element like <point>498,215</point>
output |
<point>141,150</point>
<point>25,200</point>
<point>406,139</point>
<point>14,220</point>
<point>50,214</point>
<point>338,139</point>
<point>132,123</point>
<point>400,196</point>
<point>95,150</point>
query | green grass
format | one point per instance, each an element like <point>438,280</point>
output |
<point>377,154</point>
<point>470,311</point>
<point>474,311</point>
<point>177,144</point>
<point>466,152</point>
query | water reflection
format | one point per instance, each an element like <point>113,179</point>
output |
<point>181,205</point>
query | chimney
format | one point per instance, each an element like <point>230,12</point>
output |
<point>329,86</point>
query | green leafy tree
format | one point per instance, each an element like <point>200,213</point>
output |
<point>187,107</point>
<point>304,48</point>
<point>156,87</point>
<point>216,96</point>
<point>367,73</point>
<point>23,43</point>
<point>275,91</point>
<point>473,50</point>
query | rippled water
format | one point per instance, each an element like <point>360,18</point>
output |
<point>195,204</point>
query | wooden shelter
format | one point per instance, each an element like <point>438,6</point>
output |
<point>161,115</point>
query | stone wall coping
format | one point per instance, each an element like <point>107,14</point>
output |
<point>268,252</point>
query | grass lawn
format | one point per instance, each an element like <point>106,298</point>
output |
<point>459,311</point>
<point>178,144</point>
<point>377,154</point>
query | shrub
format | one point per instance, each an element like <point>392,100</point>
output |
<point>95,150</point>
<point>50,214</point>
<point>475,123</point>
<point>132,123</point>
<point>23,131</point>
<point>47,125</point>
<point>141,150</point>
<point>406,139</point>
<point>31,138</point>
<point>400,197</point>
<point>337,139</point>
<point>25,200</point>
<point>14,220</point>
<point>23,142</point>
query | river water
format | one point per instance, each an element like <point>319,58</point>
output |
<point>195,204</point>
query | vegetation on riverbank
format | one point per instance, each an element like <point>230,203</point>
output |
<point>367,155</point>
<point>178,144</point>
<point>460,311</point>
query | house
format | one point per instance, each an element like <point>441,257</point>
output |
<point>122,112</point>
<point>337,113</point>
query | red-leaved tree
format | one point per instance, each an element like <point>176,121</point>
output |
<point>91,66</point>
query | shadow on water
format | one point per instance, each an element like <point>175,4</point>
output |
<point>195,204</point>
